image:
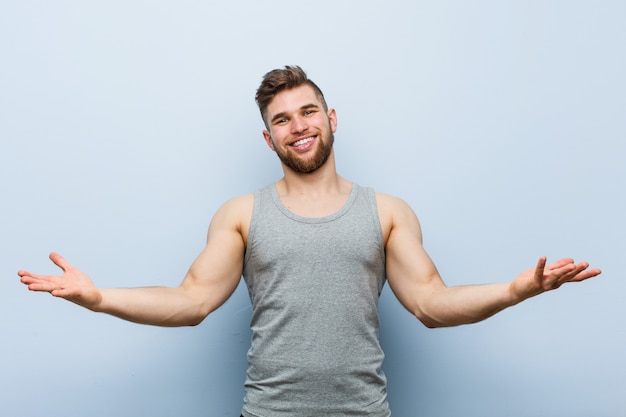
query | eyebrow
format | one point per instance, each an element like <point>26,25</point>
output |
<point>284,114</point>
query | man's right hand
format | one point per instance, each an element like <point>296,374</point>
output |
<point>211,279</point>
<point>73,285</point>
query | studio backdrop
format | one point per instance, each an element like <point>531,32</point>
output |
<point>124,125</point>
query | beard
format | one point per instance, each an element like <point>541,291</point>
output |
<point>306,166</point>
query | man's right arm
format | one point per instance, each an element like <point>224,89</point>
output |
<point>210,281</point>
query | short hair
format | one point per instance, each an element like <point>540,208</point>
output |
<point>279,80</point>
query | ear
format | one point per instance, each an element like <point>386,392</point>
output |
<point>332,118</point>
<point>268,139</point>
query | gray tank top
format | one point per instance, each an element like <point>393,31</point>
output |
<point>314,284</point>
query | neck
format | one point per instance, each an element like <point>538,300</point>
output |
<point>324,180</point>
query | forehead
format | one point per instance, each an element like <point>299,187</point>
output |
<point>292,100</point>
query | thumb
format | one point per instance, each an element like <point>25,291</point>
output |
<point>541,266</point>
<point>60,261</point>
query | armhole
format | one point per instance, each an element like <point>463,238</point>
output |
<point>251,227</point>
<point>373,204</point>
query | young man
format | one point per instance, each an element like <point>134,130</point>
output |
<point>315,251</point>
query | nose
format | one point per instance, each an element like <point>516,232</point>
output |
<point>298,125</point>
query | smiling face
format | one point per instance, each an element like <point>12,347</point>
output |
<point>300,131</point>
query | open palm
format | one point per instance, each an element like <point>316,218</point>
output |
<point>72,285</point>
<point>544,277</point>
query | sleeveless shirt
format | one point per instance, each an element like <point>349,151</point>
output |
<point>314,284</point>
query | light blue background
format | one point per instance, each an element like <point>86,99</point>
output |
<point>124,125</point>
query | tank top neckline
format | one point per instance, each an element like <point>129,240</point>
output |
<point>333,216</point>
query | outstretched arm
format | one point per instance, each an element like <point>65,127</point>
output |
<point>211,279</point>
<point>416,282</point>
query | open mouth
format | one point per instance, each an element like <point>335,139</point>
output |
<point>301,143</point>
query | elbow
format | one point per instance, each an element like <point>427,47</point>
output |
<point>194,309</point>
<point>432,323</point>
<point>188,321</point>
<point>199,316</point>
<point>194,321</point>
<point>188,318</point>
<point>429,322</point>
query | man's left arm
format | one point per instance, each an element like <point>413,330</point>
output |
<point>415,281</point>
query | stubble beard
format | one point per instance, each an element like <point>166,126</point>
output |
<point>306,166</point>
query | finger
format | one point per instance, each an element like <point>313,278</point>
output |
<point>558,276</point>
<point>27,277</point>
<point>42,286</point>
<point>581,273</point>
<point>61,293</point>
<point>586,275</point>
<point>60,261</point>
<point>567,269</point>
<point>560,263</point>
<point>576,274</point>
<point>37,282</point>
<point>541,265</point>
<point>66,293</point>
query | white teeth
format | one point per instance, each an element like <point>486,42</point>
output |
<point>302,142</point>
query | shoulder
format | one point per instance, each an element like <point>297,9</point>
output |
<point>393,207</point>
<point>234,214</point>
<point>388,201</point>
<point>239,204</point>
<point>395,214</point>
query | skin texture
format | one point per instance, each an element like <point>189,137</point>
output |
<point>301,132</point>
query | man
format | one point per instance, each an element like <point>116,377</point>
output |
<point>315,251</point>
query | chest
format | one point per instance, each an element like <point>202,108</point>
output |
<point>291,263</point>
<point>312,207</point>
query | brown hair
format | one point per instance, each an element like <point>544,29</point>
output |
<point>279,80</point>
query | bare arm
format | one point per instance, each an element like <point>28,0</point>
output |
<point>416,282</point>
<point>211,279</point>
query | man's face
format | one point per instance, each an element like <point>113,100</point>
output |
<point>300,131</point>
